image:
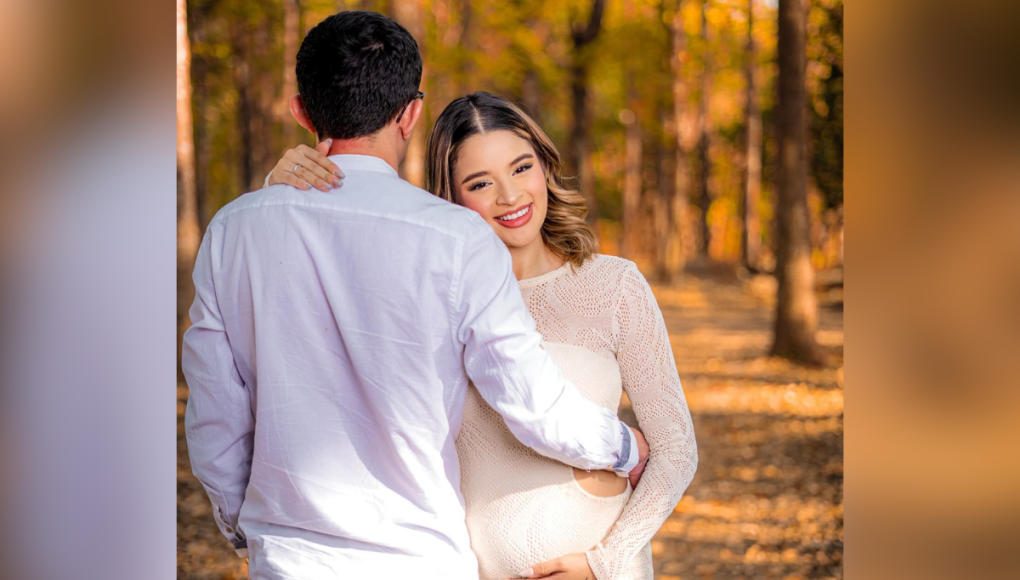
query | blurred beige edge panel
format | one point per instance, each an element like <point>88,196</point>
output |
<point>932,144</point>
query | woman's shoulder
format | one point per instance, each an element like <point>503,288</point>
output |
<point>611,271</point>
<point>616,278</point>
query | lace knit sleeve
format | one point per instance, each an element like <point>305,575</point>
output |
<point>651,381</point>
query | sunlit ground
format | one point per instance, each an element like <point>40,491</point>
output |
<point>767,501</point>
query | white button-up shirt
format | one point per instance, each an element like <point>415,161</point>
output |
<point>332,338</point>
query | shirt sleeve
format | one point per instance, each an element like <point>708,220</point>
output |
<point>218,422</point>
<point>650,378</point>
<point>515,375</point>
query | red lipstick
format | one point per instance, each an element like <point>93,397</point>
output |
<point>519,221</point>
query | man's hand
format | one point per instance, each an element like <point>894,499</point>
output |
<point>635,474</point>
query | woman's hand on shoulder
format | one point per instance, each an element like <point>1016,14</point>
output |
<point>569,567</point>
<point>304,167</point>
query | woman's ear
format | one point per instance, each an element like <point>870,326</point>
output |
<point>297,108</point>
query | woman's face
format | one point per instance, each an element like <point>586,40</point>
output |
<point>499,176</point>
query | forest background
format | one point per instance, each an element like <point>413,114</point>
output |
<point>707,138</point>
<point>667,112</point>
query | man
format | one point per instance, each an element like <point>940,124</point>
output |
<point>333,336</point>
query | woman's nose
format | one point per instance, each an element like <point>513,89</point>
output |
<point>509,196</point>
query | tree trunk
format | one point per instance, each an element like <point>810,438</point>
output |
<point>664,163</point>
<point>188,236</point>
<point>531,85</point>
<point>245,102</point>
<point>678,246</point>
<point>202,135</point>
<point>466,53</point>
<point>632,175</point>
<point>704,126</point>
<point>796,304</point>
<point>580,147</point>
<point>630,242</point>
<point>531,94</point>
<point>751,246</point>
<point>408,13</point>
<point>266,63</point>
<point>291,42</point>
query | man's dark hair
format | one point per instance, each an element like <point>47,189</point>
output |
<point>356,71</point>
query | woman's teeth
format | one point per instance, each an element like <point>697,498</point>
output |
<point>515,215</point>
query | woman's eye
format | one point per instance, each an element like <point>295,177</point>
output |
<point>522,168</point>
<point>477,186</point>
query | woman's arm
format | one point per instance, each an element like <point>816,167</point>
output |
<point>651,381</point>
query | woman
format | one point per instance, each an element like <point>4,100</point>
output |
<point>601,325</point>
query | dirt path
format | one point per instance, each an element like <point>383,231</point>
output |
<point>767,501</point>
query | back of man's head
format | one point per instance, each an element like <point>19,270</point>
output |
<point>356,71</point>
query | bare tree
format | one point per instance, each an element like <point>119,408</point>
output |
<point>664,164</point>
<point>467,49</point>
<point>705,129</point>
<point>629,242</point>
<point>796,304</point>
<point>580,147</point>
<point>245,103</point>
<point>531,93</point>
<point>674,246</point>
<point>664,158</point>
<point>632,175</point>
<point>409,13</point>
<point>291,42</point>
<point>752,161</point>
<point>199,74</point>
<point>531,84</point>
<point>188,233</point>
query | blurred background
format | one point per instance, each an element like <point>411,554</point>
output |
<point>672,117</point>
<point>649,101</point>
<point>89,487</point>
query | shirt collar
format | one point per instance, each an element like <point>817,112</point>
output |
<point>362,163</point>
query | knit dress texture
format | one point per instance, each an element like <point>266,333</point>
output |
<point>603,327</point>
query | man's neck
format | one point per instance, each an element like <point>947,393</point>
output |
<point>365,146</point>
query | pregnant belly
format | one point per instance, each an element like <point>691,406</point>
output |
<point>533,518</point>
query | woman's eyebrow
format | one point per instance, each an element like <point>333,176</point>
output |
<point>524,156</point>
<point>474,175</point>
<point>481,173</point>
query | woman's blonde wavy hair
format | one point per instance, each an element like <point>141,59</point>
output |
<point>564,231</point>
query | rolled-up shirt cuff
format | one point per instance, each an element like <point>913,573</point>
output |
<point>241,547</point>
<point>630,455</point>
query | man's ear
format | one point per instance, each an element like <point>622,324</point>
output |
<point>406,124</point>
<point>297,108</point>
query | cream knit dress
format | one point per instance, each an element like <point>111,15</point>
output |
<point>603,327</point>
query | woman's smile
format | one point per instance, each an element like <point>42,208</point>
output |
<point>515,218</point>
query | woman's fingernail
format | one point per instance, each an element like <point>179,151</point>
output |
<point>327,186</point>
<point>337,183</point>
<point>527,573</point>
<point>339,174</point>
<point>329,141</point>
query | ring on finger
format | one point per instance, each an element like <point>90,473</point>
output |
<point>296,167</point>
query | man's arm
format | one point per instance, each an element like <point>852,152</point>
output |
<point>517,377</point>
<point>219,423</point>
